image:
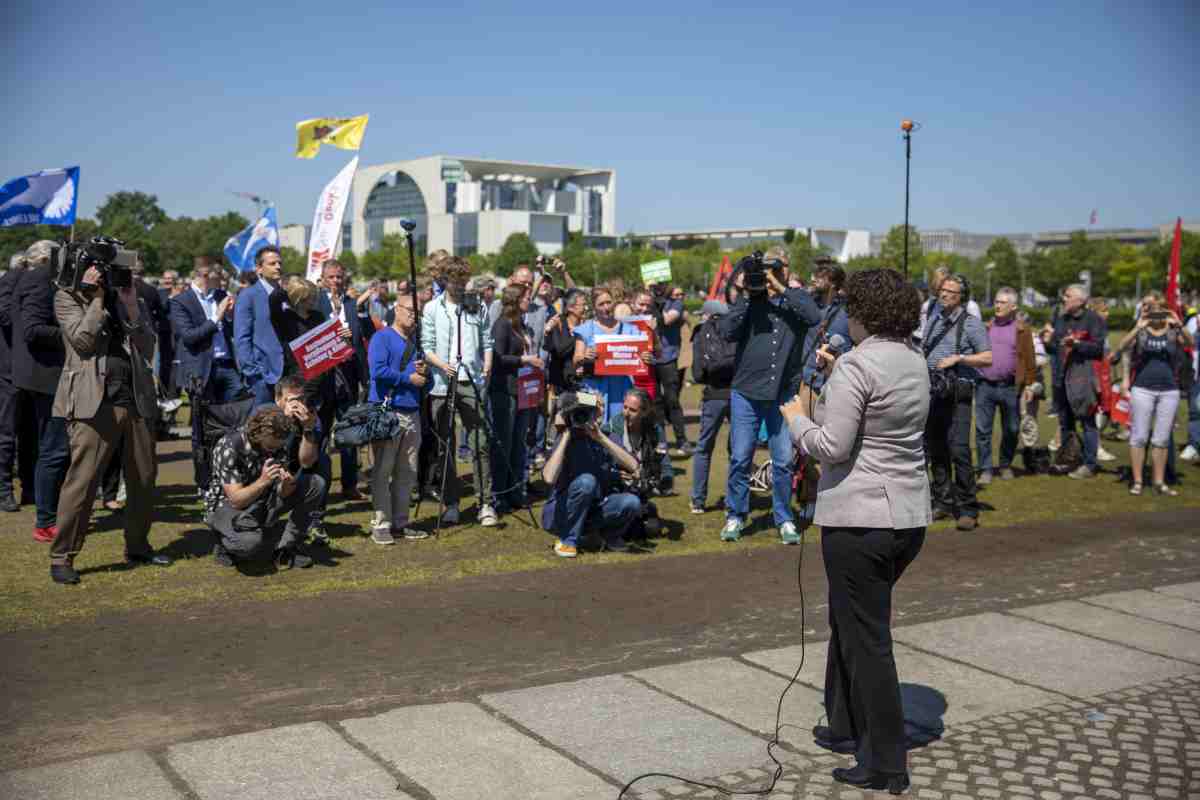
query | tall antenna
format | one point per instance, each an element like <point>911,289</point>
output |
<point>260,203</point>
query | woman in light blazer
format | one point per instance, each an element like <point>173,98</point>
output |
<point>867,430</point>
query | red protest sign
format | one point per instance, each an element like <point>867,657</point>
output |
<point>531,387</point>
<point>620,354</point>
<point>321,349</point>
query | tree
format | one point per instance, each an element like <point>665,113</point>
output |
<point>1133,265</point>
<point>388,261</point>
<point>294,262</point>
<point>517,249</point>
<point>801,254</point>
<point>1007,269</point>
<point>892,250</point>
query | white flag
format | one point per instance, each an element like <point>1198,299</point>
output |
<point>327,220</point>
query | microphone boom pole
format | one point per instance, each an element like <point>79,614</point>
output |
<point>409,226</point>
<point>907,126</point>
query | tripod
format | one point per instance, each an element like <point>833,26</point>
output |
<point>446,442</point>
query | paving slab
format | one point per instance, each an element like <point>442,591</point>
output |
<point>1040,655</point>
<point>624,729</point>
<point>119,776</point>
<point>1188,591</point>
<point>298,762</point>
<point>746,695</point>
<point>935,691</point>
<point>1155,637</point>
<point>1152,605</point>
<point>460,751</point>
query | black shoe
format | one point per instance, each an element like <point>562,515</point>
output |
<point>151,559</point>
<point>221,556</point>
<point>63,573</point>
<point>824,736</point>
<point>9,503</point>
<point>292,558</point>
<point>941,513</point>
<point>865,778</point>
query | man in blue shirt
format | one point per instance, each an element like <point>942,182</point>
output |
<point>768,326</point>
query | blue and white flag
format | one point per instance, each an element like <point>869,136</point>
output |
<point>241,248</point>
<point>49,197</point>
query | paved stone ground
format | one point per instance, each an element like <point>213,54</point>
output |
<point>1097,697</point>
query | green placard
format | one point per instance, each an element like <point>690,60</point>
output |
<point>656,271</point>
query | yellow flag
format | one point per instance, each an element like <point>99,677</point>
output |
<point>344,132</point>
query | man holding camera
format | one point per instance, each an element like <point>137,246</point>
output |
<point>669,318</point>
<point>1077,337</point>
<point>955,343</point>
<point>767,323</point>
<point>585,470</point>
<point>106,394</point>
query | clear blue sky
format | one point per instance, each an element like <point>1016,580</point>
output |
<point>742,116</point>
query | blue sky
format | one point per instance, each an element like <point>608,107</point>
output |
<point>739,115</point>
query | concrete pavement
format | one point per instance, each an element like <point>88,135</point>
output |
<point>1097,697</point>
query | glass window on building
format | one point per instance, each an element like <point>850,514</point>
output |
<point>451,197</point>
<point>595,218</point>
<point>508,196</point>
<point>402,198</point>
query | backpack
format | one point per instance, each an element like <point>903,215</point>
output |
<point>1037,460</point>
<point>713,358</point>
<point>1069,456</point>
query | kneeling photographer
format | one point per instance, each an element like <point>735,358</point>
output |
<point>106,394</point>
<point>584,471</point>
<point>634,429</point>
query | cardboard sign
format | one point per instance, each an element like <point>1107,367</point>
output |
<point>321,349</point>
<point>618,354</point>
<point>531,387</point>
<point>642,321</point>
<point>656,271</point>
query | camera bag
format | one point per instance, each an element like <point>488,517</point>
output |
<point>371,422</point>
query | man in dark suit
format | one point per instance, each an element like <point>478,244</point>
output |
<point>8,392</point>
<point>201,317</point>
<point>335,303</point>
<point>37,357</point>
<point>260,354</point>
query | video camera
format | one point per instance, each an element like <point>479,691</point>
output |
<point>71,260</point>
<point>579,409</point>
<point>471,303</point>
<point>755,270</point>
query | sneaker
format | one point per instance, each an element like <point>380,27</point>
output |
<point>451,516</point>
<point>45,535</point>
<point>788,534</point>
<point>697,507</point>
<point>290,557</point>
<point>1082,472</point>
<point>985,477</point>
<point>1007,474</point>
<point>9,503</point>
<point>564,550</point>
<point>412,534</point>
<point>487,517</point>
<point>966,523</point>
<point>617,545</point>
<point>63,573</point>
<point>1104,455</point>
<point>733,529</point>
<point>661,449</point>
<point>1188,453</point>
<point>1166,491</point>
<point>1135,489</point>
<point>221,556</point>
<point>382,535</point>
<point>318,535</point>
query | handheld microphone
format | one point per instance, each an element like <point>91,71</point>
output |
<point>836,341</point>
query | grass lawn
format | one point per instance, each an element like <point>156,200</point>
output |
<point>29,600</point>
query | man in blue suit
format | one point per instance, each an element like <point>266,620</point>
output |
<point>260,355</point>
<point>202,320</point>
<point>334,302</point>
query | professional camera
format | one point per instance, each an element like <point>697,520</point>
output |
<point>755,271</point>
<point>471,303</point>
<point>579,409</point>
<point>71,261</point>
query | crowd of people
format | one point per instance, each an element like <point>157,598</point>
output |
<point>88,374</point>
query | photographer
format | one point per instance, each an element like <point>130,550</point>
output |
<point>669,316</point>
<point>954,343</point>
<point>1076,338</point>
<point>106,394</point>
<point>767,323</point>
<point>633,428</point>
<point>256,483</point>
<point>583,471</point>
<point>713,363</point>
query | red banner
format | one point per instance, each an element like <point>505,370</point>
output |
<point>621,354</point>
<point>531,387</point>
<point>321,349</point>
<point>1173,271</point>
<point>717,290</point>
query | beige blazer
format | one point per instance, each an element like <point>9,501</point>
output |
<point>868,434</point>
<point>81,387</point>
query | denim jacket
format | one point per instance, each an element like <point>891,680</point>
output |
<point>439,331</point>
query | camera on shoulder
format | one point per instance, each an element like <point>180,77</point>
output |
<point>579,408</point>
<point>71,260</point>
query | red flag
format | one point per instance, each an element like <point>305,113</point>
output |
<point>717,290</point>
<point>1173,271</point>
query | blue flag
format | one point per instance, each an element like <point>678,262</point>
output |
<point>241,248</point>
<point>49,197</point>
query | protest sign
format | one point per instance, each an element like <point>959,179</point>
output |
<point>531,387</point>
<point>642,321</point>
<point>656,271</point>
<point>621,354</point>
<point>321,349</point>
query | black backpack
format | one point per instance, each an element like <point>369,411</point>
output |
<point>713,358</point>
<point>1069,456</point>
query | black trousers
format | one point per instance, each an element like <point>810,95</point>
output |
<point>8,436</point>
<point>862,689</point>
<point>948,445</point>
<point>667,402</point>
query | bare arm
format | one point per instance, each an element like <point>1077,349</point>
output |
<point>554,464</point>
<point>625,461</point>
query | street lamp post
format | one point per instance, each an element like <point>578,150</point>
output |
<point>987,270</point>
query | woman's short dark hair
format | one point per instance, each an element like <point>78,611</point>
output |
<point>883,303</point>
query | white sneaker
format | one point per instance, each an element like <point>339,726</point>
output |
<point>788,534</point>
<point>487,517</point>
<point>1190,453</point>
<point>411,534</point>
<point>733,529</point>
<point>1104,455</point>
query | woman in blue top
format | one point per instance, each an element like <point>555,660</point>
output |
<point>398,373</point>
<point>611,387</point>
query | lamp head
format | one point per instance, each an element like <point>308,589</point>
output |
<point>906,126</point>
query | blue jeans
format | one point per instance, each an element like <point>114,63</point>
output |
<point>746,418</point>
<point>509,469</point>
<point>53,458</point>
<point>1066,424</point>
<point>264,393</point>
<point>611,515</point>
<point>1194,416</point>
<point>712,414</point>
<point>989,397</point>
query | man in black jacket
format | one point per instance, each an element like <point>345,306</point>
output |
<point>1077,337</point>
<point>38,356</point>
<point>713,363</point>
<point>8,392</point>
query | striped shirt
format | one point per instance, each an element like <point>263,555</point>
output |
<point>974,338</point>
